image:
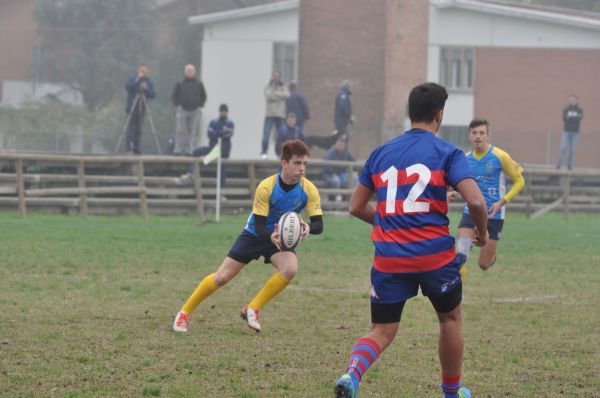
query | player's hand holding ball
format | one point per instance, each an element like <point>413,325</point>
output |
<point>305,230</point>
<point>275,237</point>
<point>290,230</point>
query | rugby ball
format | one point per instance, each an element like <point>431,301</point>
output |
<point>289,228</point>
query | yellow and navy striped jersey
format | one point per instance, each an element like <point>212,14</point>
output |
<point>490,169</point>
<point>271,201</point>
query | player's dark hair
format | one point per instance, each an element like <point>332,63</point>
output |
<point>291,148</point>
<point>479,122</point>
<point>425,101</point>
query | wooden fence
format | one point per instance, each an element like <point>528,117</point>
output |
<point>120,184</point>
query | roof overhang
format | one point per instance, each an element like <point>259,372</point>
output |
<point>245,12</point>
<point>549,16</point>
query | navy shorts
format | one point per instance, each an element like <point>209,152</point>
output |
<point>248,247</point>
<point>391,288</point>
<point>494,227</point>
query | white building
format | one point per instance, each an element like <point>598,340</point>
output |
<point>242,47</point>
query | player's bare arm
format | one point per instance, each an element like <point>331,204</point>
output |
<point>360,206</point>
<point>496,207</point>
<point>469,190</point>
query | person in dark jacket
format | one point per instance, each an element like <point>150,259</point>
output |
<point>189,96</point>
<point>221,129</point>
<point>297,105</point>
<point>572,115</point>
<point>139,89</point>
<point>343,117</point>
<point>343,109</point>
<point>337,177</point>
<point>288,132</point>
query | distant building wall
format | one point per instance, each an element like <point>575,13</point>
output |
<point>18,38</point>
<point>379,45</point>
<point>523,92</point>
<point>237,60</point>
<point>514,50</point>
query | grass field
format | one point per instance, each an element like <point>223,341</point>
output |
<point>86,307</point>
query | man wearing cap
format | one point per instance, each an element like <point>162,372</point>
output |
<point>221,128</point>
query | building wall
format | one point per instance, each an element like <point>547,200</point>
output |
<point>405,60</point>
<point>523,91</point>
<point>385,57</point>
<point>332,49</point>
<point>237,58</point>
<point>18,35</point>
<point>470,28</point>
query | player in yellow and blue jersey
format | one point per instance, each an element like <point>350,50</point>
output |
<point>286,191</point>
<point>490,166</point>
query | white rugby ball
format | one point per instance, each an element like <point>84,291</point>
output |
<point>289,228</point>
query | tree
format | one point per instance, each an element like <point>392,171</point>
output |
<point>93,45</point>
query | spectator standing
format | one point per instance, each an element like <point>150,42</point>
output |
<point>189,96</point>
<point>297,105</point>
<point>276,94</point>
<point>139,88</point>
<point>343,109</point>
<point>572,115</point>
<point>337,176</point>
<point>288,132</point>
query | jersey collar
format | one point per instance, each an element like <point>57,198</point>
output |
<point>480,156</point>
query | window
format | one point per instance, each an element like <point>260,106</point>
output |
<point>456,135</point>
<point>284,60</point>
<point>457,68</point>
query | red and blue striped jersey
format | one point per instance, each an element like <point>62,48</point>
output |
<point>410,176</point>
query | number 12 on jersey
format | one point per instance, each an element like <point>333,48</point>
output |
<point>410,204</point>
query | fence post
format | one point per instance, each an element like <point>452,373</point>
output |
<point>198,191</point>
<point>350,182</point>
<point>20,186</point>
<point>252,179</point>
<point>548,146</point>
<point>142,186</point>
<point>567,193</point>
<point>529,193</point>
<point>83,208</point>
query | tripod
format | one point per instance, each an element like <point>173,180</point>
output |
<point>128,120</point>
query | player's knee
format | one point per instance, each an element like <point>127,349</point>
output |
<point>450,318</point>
<point>486,264</point>
<point>222,277</point>
<point>289,272</point>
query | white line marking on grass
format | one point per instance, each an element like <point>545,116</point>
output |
<point>323,289</point>
<point>529,299</point>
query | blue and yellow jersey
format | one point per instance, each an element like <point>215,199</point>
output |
<point>490,170</point>
<point>272,201</point>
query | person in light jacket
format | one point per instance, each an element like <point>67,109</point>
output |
<point>276,94</point>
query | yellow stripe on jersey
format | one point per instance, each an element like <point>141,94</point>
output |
<point>260,205</point>
<point>513,170</point>
<point>313,205</point>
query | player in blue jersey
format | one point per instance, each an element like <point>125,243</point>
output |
<point>409,177</point>
<point>490,166</point>
<point>286,191</point>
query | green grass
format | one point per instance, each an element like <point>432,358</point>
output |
<point>86,307</point>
